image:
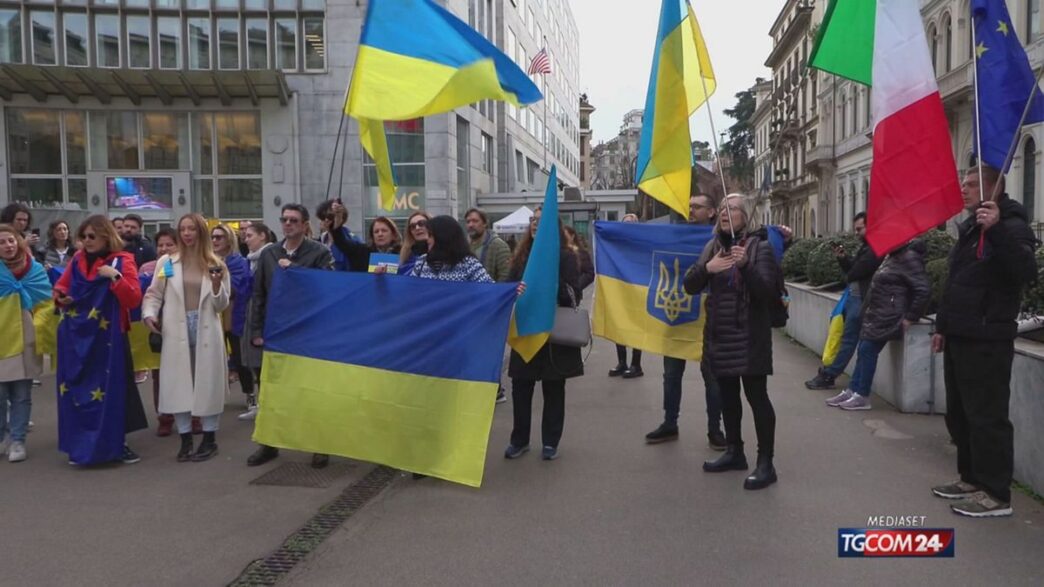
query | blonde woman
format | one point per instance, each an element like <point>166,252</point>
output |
<point>416,242</point>
<point>184,303</point>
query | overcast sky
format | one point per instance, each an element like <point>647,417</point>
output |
<point>616,44</point>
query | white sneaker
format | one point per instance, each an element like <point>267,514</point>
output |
<point>16,453</point>
<point>248,415</point>
<point>837,400</point>
<point>29,428</point>
<point>856,402</point>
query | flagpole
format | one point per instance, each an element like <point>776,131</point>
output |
<point>337,142</point>
<point>543,139</point>
<point>1018,134</point>
<point>978,124</point>
<point>717,151</point>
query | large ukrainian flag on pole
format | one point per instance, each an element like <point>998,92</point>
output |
<point>639,298</point>
<point>417,59</point>
<point>681,81</point>
<point>393,370</point>
<point>535,311</point>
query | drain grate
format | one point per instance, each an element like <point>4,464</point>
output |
<point>297,546</point>
<point>304,475</point>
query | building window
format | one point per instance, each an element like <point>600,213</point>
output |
<point>239,143</point>
<point>406,147</point>
<point>285,4</point>
<point>257,43</point>
<point>948,42</point>
<point>107,36</point>
<point>33,141</point>
<point>199,43</point>
<point>139,41</point>
<point>463,163</point>
<point>76,144</point>
<point>531,171</point>
<point>254,4</point>
<point>75,24</point>
<point>42,22</point>
<point>235,190</point>
<point>227,5</point>
<point>168,32</point>
<point>228,43</point>
<point>165,140</point>
<point>487,153</point>
<point>1029,178</point>
<point>1032,20</point>
<point>314,43</point>
<point>286,43</point>
<point>114,140</point>
<point>933,44</point>
<point>10,36</point>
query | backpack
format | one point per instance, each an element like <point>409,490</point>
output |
<point>779,311</point>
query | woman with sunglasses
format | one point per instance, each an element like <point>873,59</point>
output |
<point>96,293</point>
<point>233,319</point>
<point>184,304</point>
<point>415,243</point>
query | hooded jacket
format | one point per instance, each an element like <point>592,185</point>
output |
<point>899,291</point>
<point>859,270</point>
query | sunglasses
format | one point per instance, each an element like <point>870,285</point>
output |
<point>419,224</point>
<point>289,220</point>
<point>89,237</point>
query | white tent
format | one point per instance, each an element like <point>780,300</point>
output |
<point>515,223</point>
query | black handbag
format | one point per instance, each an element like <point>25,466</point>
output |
<point>155,342</point>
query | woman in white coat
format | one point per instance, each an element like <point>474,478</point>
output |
<point>184,303</point>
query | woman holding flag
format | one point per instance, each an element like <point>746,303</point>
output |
<point>98,402</point>
<point>23,285</point>
<point>739,274</point>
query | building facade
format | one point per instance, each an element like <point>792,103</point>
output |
<point>586,134</point>
<point>614,160</point>
<point>233,108</point>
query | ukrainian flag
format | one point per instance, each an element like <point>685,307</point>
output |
<point>27,294</point>
<point>681,81</point>
<point>417,59</point>
<point>640,301</point>
<point>535,311</point>
<point>402,372</point>
<point>837,329</point>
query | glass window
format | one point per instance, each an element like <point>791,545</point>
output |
<point>33,141</point>
<point>199,43</point>
<point>1032,20</point>
<point>226,4</point>
<point>168,31</point>
<point>114,140</point>
<point>10,36</point>
<point>285,4</point>
<point>137,3</point>
<point>239,198</point>
<point>228,43</point>
<point>463,162</point>
<point>313,4</point>
<point>239,143</point>
<point>107,34</point>
<point>168,3</point>
<point>75,38</point>
<point>315,44</point>
<point>78,192</point>
<point>75,143</point>
<point>487,153</point>
<point>203,150</point>
<point>165,140</point>
<point>203,197</point>
<point>286,43</point>
<point>255,4</point>
<point>257,43</point>
<point>41,192</point>
<point>139,41</point>
<point>43,36</point>
<point>203,4</point>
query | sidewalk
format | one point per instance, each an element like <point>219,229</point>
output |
<point>613,510</point>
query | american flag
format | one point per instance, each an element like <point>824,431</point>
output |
<point>541,63</point>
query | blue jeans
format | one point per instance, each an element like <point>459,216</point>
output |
<point>673,370</point>
<point>866,365</point>
<point>19,395</point>
<point>849,337</point>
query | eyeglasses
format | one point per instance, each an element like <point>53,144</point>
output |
<point>217,237</point>
<point>89,237</point>
<point>326,217</point>
<point>418,224</point>
<point>289,220</point>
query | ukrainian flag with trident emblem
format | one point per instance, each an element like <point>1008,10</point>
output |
<point>643,266</point>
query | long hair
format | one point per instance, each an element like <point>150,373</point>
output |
<point>203,252</point>
<point>578,241</point>
<point>396,237</point>
<point>22,245</point>
<point>521,256</point>
<point>407,239</point>
<point>451,244</point>
<point>233,240</point>
<point>105,229</point>
<point>51,241</point>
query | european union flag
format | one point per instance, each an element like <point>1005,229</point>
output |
<point>92,373</point>
<point>1005,82</point>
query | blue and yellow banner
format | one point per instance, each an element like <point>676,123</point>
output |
<point>535,311</point>
<point>640,301</point>
<point>27,294</point>
<point>402,372</point>
<point>835,331</point>
<point>417,59</point>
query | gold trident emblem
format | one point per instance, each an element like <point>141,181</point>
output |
<point>670,297</point>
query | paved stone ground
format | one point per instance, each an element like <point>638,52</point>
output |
<point>610,511</point>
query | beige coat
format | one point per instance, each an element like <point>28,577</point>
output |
<point>28,364</point>
<point>204,393</point>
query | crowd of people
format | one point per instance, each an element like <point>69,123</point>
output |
<point>203,290</point>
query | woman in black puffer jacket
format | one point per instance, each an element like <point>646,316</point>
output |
<point>741,278</point>
<point>899,293</point>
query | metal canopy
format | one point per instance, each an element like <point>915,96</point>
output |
<point>41,82</point>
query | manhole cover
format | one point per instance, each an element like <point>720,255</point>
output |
<point>303,475</point>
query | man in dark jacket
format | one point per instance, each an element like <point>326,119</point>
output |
<point>702,210</point>
<point>859,270</point>
<point>296,250</point>
<point>134,242</point>
<point>976,331</point>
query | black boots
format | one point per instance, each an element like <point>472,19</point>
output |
<point>821,381</point>
<point>763,476</point>
<point>618,370</point>
<point>185,452</point>
<point>262,455</point>
<point>733,459</point>
<point>207,449</point>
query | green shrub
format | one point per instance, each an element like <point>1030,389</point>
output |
<point>1033,300</point>
<point>939,245</point>
<point>938,270</point>
<point>795,260</point>
<point>822,266</point>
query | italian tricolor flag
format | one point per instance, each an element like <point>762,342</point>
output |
<point>913,181</point>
